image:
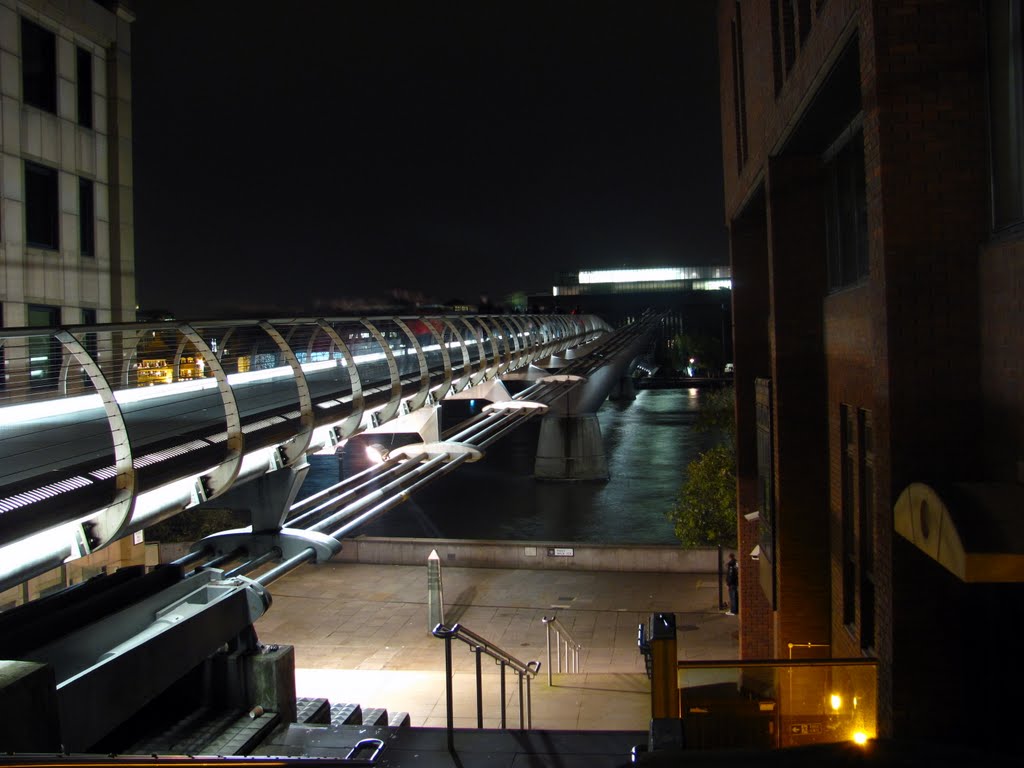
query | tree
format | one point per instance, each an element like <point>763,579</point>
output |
<point>706,352</point>
<point>705,510</point>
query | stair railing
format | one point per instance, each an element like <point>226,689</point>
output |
<point>644,644</point>
<point>567,650</point>
<point>526,671</point>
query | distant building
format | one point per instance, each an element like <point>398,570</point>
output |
<point>874,194</point>
<point>695,301</point>
<point>66,253</point>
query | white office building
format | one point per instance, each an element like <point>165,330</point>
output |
<point>66,220</point>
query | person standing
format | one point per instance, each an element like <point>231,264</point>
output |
<point>732,581</point>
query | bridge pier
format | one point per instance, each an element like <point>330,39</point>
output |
<point>624,389</point>
<point>570,447</point>
<point>267,499</point>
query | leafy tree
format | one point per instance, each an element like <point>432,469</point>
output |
<point>705,510</point>
<point>195,524</point>
<point>705,350</point>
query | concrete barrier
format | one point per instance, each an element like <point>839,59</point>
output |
<point>537,555</point>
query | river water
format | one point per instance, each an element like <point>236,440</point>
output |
<point>648,442</point>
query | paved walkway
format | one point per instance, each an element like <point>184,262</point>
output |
<point>360,635</point>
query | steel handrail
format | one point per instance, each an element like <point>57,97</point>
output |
<point>525,671</point>
<point>563,638</point>
<point>468,636</point>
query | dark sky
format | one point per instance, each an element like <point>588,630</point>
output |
<point>297,154</point>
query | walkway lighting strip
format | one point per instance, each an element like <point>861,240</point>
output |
<point>67,541</point>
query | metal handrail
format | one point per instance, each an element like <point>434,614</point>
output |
<point>644,644</point>
<point>479,645</point>
<point>563,638</point>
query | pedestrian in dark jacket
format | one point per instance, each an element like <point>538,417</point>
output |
<point>732,581</point>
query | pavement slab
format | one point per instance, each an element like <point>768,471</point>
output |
<point>360,635</point>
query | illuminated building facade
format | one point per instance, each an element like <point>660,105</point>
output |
<point>158,370</point>
<point>874,194</point>
<point>694,300</point>
<point>66,250</point>
<point>66,221</point>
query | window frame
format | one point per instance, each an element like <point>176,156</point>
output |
<point>87,217</point>
<point>1005,115</point>
<point>84,86</point>
<point>35,218</point>
<point>38,66</point>
<point>844,189</point>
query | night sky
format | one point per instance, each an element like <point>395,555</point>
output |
<point>298,156</point>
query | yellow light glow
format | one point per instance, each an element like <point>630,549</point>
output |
<point>836,700</point>
<point>860,738</point>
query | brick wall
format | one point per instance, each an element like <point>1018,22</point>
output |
<point>916,345</point>
<point>748,248</point>
<point>1001,288</point>
<point>797,280</point>
<point>931,170</point>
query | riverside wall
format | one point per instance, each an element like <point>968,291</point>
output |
<point>538,555</point>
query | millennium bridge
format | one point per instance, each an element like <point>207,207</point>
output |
<point>106,430</point>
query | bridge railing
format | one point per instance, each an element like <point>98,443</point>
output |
<point>124,425</point>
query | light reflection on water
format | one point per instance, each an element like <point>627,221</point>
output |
<point>648,443</point>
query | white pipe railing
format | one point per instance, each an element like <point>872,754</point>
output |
<point>567,650</point>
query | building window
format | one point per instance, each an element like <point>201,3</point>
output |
<point>847,432</point>
<point>866,508</point>
<point>83,74</point>
<point>791,22</point>
<point>739,89</point>
<point>777,73</point>
<point>787,23</point>
<point>1006,108</point>
<point>846,219</point>
<point>42,209</point>
<point>86,218</point>
<point>803,14</point>
<point>44,351</point>
<point>38,66</point>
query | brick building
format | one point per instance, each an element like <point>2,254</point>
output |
<point>874,195</point>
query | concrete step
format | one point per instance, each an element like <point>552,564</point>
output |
<point>375,716</point>
<point>312,711</point>
<point>243,735</point>
<point>400,720</point>
<point>346,714</point>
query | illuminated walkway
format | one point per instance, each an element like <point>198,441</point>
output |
<point>360,635</point>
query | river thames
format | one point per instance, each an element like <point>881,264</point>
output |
<point>648,443</point>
